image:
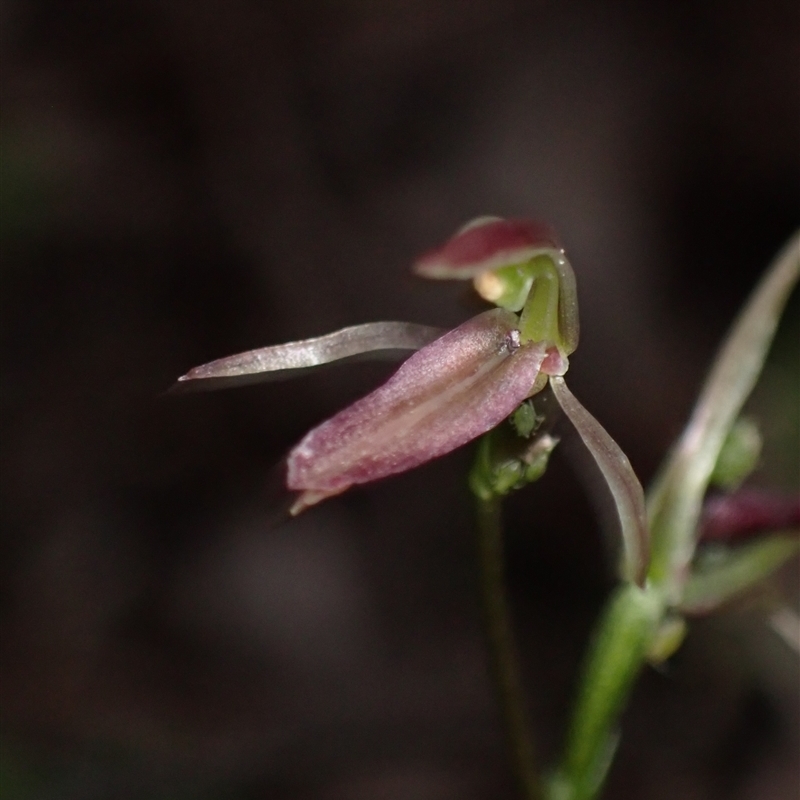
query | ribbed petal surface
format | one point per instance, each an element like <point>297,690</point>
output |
<point>445,395</point>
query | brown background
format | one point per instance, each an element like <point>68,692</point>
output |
<point>183,180</point>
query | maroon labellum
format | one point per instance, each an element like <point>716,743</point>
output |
<point>450,392</point>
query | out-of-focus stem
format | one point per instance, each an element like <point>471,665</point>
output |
<point>503,653</point>
<point>616,656</point>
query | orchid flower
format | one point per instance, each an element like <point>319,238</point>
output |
<point>460,384</point>
<point>486,378</point>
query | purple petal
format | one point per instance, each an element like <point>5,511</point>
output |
<point>447,394</point>
<point>488,243</point>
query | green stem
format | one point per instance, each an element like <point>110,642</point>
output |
<point>616,656</point>
<point>503,654</point>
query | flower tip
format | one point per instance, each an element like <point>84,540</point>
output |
<point>203,371</point>
<point>310,498</point>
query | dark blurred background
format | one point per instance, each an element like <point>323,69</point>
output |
<point>184,180</point>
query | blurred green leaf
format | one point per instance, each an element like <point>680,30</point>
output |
<point>727,572</point>
<point>675,502</point>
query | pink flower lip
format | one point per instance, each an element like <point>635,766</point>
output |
<point>488,243</point>
<point>445,395</point>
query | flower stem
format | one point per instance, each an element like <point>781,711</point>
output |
<point>503,653</point>
<point>616,655</point>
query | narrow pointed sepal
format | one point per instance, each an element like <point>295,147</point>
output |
<point>620,478</point>
<point>450,392</point>
<point>371,340</point>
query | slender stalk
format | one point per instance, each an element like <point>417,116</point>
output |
<point>616,656</point>
<point>503,653</point>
